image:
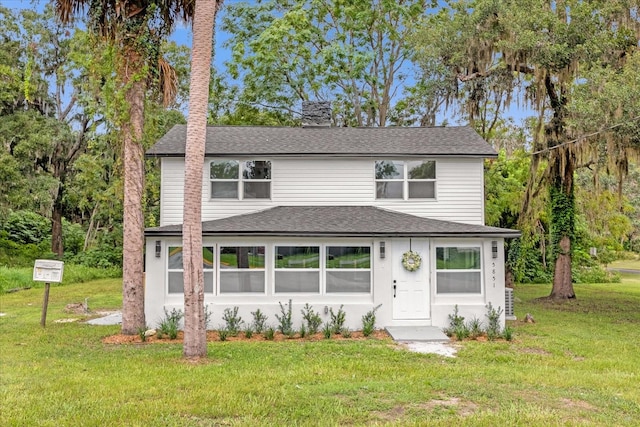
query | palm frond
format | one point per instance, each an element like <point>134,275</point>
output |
<point>168,82</point>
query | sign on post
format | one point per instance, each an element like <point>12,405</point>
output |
<point>46,270</point>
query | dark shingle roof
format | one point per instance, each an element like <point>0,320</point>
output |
<point>335,141</point>
<point>346,221</point>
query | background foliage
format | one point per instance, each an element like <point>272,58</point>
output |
<point>59,152</point>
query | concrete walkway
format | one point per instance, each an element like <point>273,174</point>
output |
<point>417,334</point>
<point>423,339</point>
<point>111,319</point>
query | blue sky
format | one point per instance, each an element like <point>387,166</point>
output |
<point>182,35</point>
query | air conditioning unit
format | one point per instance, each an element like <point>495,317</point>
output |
<point>509,304</point>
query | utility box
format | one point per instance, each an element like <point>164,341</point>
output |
<point>46,270</point>
<point>509,303</point>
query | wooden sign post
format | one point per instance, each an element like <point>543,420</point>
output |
<point>48,271</point>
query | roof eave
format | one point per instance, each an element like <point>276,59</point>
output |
<point>177,233</point>
<point>299,155</point>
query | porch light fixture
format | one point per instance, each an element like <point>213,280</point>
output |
<point>494,248</point>
<point>382,250</point>
<point>158,248</point>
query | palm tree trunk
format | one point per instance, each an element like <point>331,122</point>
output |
<point>195,333</point>
<point>133,222</point>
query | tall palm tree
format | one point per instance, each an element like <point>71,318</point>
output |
<point>195,337</point>
<point>135,29</point>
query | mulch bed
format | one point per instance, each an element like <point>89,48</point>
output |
<point>212,336</point>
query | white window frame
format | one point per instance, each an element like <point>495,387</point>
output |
<point>405,180</point>
<point>327,269</point>
<point>219,269</point>
<point>323,269</point>
<point>181,270</point>
<point>318,270</point>
<point>480,270</point>
<point>240,180</point>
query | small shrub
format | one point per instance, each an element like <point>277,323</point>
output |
<point>369,321</point>
<point>461,332</point>
<point>493,323</point>
<point>142,333</point>
<point>312,319</point>
<point>337,319</point>
<point>455,322</point>
<point>259,321</point>
<point>475,327</point>
<point>327,330</point>
<point>233,322</point>
<point>507,333</point>
<point>303,331</point>
<point>345,332</point>
<point>286,322</point>
<point>269,333</point>
<point>170,324</point>
<point>223,333</point>
<point>248,333</point>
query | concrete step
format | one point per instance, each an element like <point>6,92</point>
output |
<point>417,333</point>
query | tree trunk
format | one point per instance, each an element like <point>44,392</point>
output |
<point>195,333</point>
<point>133,221</point>
<point>562,221</point>
<point>56,216</point>
<point>56,228</point>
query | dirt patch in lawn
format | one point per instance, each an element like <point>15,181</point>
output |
<point>462,408</point>
<point>392,414</point>
<point>213,336</point>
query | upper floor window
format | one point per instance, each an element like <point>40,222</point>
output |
<point>234,179</point>
<point>396,179</point>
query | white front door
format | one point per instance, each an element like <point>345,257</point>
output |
<point>410,288</point>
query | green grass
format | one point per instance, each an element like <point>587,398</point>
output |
<point>22,277</point>
<point>577,365</point>
<point>629,264</point>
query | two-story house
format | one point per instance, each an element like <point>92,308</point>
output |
<point>331,216</point>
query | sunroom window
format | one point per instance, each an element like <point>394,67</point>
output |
<point>234,179</point>
<point>405,180</point>
<point>242,269</point>
<point>458,270</point>
<point>297,269</point>
<point>176,269</point>
<point>348,269</point>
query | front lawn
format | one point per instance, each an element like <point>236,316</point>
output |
<point>577,365</point>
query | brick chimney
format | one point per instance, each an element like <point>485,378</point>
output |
<point>316,113</point>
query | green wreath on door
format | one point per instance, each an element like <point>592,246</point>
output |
<point>411,260</point>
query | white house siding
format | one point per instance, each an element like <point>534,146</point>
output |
<point>171,190</point>
<point>323,182</point>
<point>383,270</point>
<point>459,189</point>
